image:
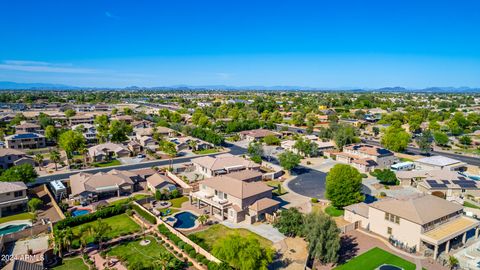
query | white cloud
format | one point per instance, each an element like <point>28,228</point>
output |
<point>110,15</point>
<point>38,66</point>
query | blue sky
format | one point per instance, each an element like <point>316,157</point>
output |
<point>332,44</point>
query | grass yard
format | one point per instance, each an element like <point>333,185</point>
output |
<point>177,202</point>
<point>72,264</point>
<point>21,216</point>
<point>333,212</point>
<point>471,205</point>
<point>206,151</point>
<point>113,162</point>
<point>373,258</point>
<point>209,236</point>
<point>121,225</point>
<point>135,256</point>
<point>274,184</point>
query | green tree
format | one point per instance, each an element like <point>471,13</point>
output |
<point>101,231</point>
<point>271,140</point>
<point>34,204</point>
<point>452,262</point>
<point>39,160</point>
<point>127,111</point>
<point>71,141</point>
<point>70,113</point>
<point>51,133</point>
<point>255,151</point>
<point>243,253</point>
<point>386,176</point>
<point>55,158</point>
<point>440,138</point>
<point>395,138</point>
<point>424,141</point>
<point>290,222</point>
<point>203,219</point>
<point>170,149</point>
<point>102,125</point>
<point>289,160</point>
<point>465,140</point>
<point>343,135</point>
<point>20,173</point>
<point>119,130</point>
<point>344,186</point>
<point>323,237</point>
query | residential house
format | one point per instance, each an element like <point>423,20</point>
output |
<point>160,182</point>
<point>106,151</point>
<point>25,141</point>
<point>88,131</point>
<point>257,134</point>
<point>222,164</point>
<point>440,163</point>
<point>12,157</point>
<point>26,127</point>
<point>13,197</point>
<point>81,119</point>
<point>230,197</point>
<point>87,188</point>
<point>366,158</point>
<point>421,223</point>
<point>188,142</point>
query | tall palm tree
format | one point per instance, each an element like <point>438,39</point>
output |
<point>55,158</point>
<point>83,151</point>
<point>202,219</point>
<point>193,144</point>
<point>39,160</point>
<point>161,260</point>
<point>101,231</point>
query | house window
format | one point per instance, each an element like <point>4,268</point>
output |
<point>216,193</point>
<point>387,216</point>
<point>18,194</point>
<point>225,196</point>
<point>389,230</point>
<point>397,219</point>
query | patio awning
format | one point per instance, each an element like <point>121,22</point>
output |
<point>449,230</point>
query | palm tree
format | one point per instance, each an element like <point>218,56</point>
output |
<point>101,231</point>
<point>55,158</point>
<point>83,151</point>
<point>39,160</point>
<point>161,260</point>
<point>170,149</point>
<point>85,233</point>
<point>193,144</point>
<point>203,219</point>
<point>452,262</point>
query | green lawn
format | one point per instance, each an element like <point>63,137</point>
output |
<point>177,202</point>
<point>134,255</point>
<point>471,205</point>
<point>402,159</point>
<point>72,264</point>
<point>113,162</point>
<point>274,184</point>
<point>208,237</point>
<point>333,212</point>
<point>373,258</point>
<point>21,216</point>
<point>206,151</point>
<point>121,225</point>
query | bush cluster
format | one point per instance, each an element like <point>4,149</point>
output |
<point>146,215</point>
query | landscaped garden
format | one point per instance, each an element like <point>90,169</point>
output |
<point>374,258</point>
<point>333,211</point>
<point>207,151</point>
<point>129,199</point>
<point>120,225</point>
<point>72,264</point>
<point>208,237</point>
<point>113,162</point>
<point>152,256</point>
<point>177,202</point>
<point>278,188</point>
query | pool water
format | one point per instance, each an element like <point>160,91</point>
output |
<point>389,267</point>
<point>12,228</point>
<point>185,220</point>
<point>80,212</point>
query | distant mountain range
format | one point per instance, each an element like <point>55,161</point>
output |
<point>5,85</point>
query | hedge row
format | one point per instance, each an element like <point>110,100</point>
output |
<point>105,212</point>
<point>190,250</point>
<point>146,215</point>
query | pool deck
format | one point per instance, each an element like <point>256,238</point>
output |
<point>16,222</point>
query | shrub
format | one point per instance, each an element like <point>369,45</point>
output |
<point>146,215</point>
<point>103,213</point>
<point>192,254</point>
<point>364,175</point>
<point>314,200</point>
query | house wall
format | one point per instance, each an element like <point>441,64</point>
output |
<point>352,217</point>
<point>8,160</point>
<point>406,231</point>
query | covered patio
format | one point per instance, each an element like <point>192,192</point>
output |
<point>448,235</point>
<point>216,207</point>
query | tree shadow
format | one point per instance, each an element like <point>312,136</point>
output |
<point>348,248</point>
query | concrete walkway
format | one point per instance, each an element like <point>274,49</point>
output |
<point>265,230</point>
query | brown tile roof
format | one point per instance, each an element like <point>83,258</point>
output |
<point>236,188</point>
<point>10,151</point>
<point>420,209</point>
<point>224,161</point>
<point>81,182</point>
<point>359,209</point>
<point>263,204</point>
<point>12,186</point>
<point>158,179</point>
<point>369,149</point>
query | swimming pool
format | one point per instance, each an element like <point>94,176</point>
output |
<point>80,212</point>
<point>185,220</point>
<point>12,228</point>
<point>389,267</point>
